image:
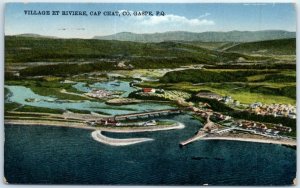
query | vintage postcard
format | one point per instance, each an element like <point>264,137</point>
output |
<point>150,94</point>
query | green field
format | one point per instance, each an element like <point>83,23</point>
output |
<point>270,47</point>
<point>274,86</point>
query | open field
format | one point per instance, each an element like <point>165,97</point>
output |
<point>269,47</point>
<point>238,92</point>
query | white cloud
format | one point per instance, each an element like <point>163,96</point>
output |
<point>204,15</point>
<point>177,20</point>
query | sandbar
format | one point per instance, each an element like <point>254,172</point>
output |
<point>117,142</point>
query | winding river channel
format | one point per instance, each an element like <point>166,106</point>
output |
<point>19,94</point>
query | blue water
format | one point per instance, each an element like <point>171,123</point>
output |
<point>42,154</point>
<point>19,94</point>
<point>114,85</point>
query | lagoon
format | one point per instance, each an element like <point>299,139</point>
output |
<point>19,94</point>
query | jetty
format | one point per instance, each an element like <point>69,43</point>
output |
<point>200,134</point>
<point>208,127</point>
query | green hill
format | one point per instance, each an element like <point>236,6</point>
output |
<point>31,49</point>
<point>270,47</point>
<point>91,54</point>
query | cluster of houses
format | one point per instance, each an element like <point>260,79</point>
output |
<point>113,122</point>
<point>105,121</point>
<point>245,125</point>
<point>99,93</point>
<point>213,115</point>
<point>274,109</point>
<point>262,128</point>
<point>255,127</point>
<point>209,95</point>
<point>220,117</point>
<point>122,64</point>
<point>257,107</point>
<point>224,99</point>
<point>282,128</point>
<point>152,90</point>
<point>149,123</point>
<point>174,95</point>
<point>252,125</point>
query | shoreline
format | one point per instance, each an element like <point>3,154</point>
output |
<point>256,140</point>
<point>176,125</point>
<point>49,123</point>
<point>96,134</point>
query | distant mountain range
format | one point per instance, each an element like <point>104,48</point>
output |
<point>211,36</point>
<point>231,36</point>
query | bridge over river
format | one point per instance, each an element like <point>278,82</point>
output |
<point>149,114</point>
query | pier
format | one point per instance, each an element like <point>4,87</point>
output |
<point>208,127</point>
<point>200,134</point>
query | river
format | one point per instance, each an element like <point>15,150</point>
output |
<point>19,94</point>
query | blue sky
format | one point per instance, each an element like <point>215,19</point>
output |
<point>178,17</point>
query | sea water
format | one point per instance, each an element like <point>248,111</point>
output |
<point>58,155</point>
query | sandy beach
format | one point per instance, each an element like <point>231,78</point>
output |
<point>82,125</point>
<point>176,125</point>
<point>96,135</point>
<point>49,123</point>
<point>129,141</point>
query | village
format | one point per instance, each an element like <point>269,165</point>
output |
<point>101,93</point>
<point>200,110</point>
<point>216,123</point>
<point>276,110</point>
<point>224,123</point>
<point>219,126</point>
